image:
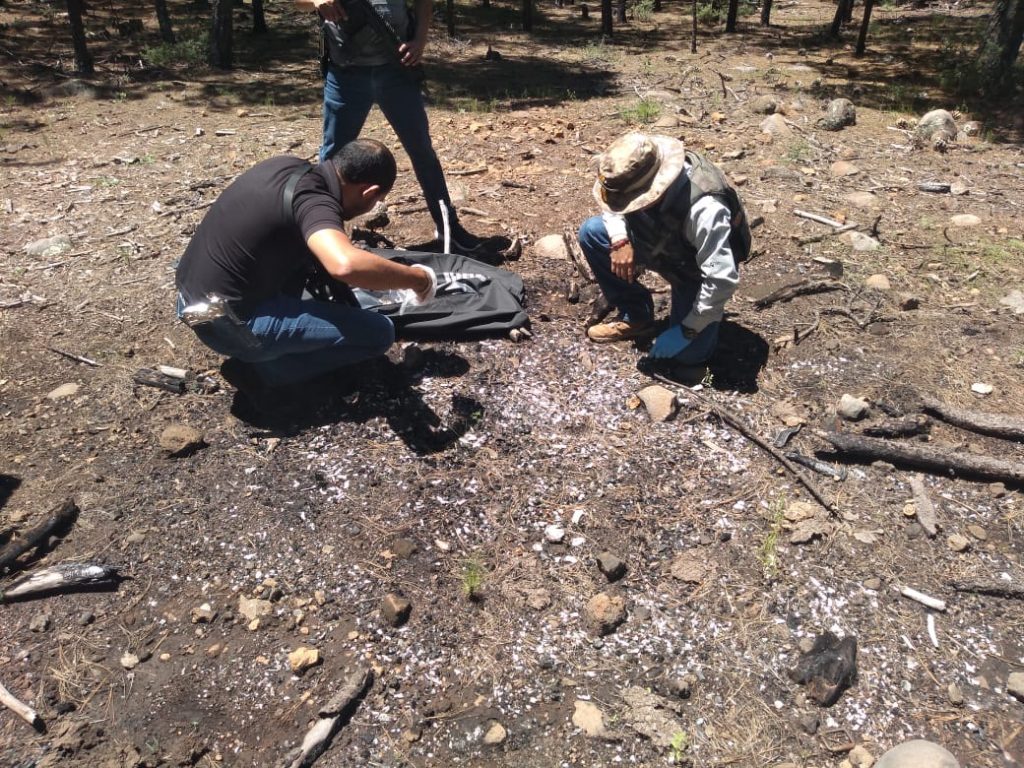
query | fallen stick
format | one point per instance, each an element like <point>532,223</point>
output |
<point>906,427</point>
<point>1010,590</point>
<point>932,602</point>
<point>820,219</point>
<point>744,430</point>
<point>578,259</point>
<point>1002,425</point>
<point>929,459</point>
<point>821,467</point>
<point>67,576</point>
<point>22,710</point>
<point>469,171</point>
<point>823,235</point>
<point>801,288</point>
<point>77,358</point>
<point>150,378</point>
<point>318,738</point>
<point>59,520</point>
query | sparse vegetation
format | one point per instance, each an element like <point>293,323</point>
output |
<point>768,552</point>
<point>188,52</point>
<point>473,576</point>
<point>644,112</point>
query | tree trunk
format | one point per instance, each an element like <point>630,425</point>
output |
<point>620,11</point>
<point>693,36</point>
<point>1001,44</point>
<point>83,61</point>
<point>527,15</point>
<point>449,16</point>
<point>730,19</point>
<point>837,20</point>
<point>606,18</point>
<point>220,34</point>
<point>848,12</point>
<point>657,6</point>
<point>862,38</point>
<point>164,18</point>
<point>259,19</point>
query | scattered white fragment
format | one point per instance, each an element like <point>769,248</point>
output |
<point>554,533</point>
<point>931,630</point>
<point>980,388</point>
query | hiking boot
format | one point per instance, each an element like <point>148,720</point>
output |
<point>619,330</point>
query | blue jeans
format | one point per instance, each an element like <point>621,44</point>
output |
<point>634,301</point>
<point>289,340</point>
<point>350,93</point>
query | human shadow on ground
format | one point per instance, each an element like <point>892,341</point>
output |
<point>378,389</point>
<point>738,360</point>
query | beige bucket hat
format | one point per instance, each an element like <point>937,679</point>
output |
<point>635,171</point>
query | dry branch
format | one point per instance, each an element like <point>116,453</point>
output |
<point>76,358</point>
<point>22,710</point>
<point>1001,425</point>
<point>1010,590</point>
<point>925,508</point>
<point>59,520</point>
<point>578,259</point>
<point>318,738</point>
<point>928,459</point>
<point>820,219</point>
<point>801,288</point>
<point>744,430</point>
<point>61,577</point>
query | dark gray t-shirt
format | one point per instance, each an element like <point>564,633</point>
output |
<point>246,250</point>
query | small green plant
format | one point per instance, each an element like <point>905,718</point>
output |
<point>644,10</point>
<point>709,13</point>
<point>798,152</point>
<point>679,744</point>
<point>473,576</point>
<point>768,551</point>
<point>108,181</point>
<point>189,52</point>
<point>645,112</point>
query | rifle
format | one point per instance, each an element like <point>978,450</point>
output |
<point>361,13</point>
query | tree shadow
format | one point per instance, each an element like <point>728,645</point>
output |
<point>8,485</point>
<point>381,389</point>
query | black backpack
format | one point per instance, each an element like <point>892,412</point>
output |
<point>474,300</point>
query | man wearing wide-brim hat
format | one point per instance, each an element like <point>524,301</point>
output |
<point>653,218</point>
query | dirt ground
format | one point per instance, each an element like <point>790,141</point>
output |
<point>439,474</point>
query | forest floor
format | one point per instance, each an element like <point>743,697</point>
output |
<point>439,474</point>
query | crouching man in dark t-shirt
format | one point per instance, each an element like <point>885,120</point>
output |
<point>241,280</point>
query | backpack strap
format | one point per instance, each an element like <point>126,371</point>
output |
<point>288,198</point>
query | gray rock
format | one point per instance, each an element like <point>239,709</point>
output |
<point>917,753</point>
<point>49,247</point>
<point>764,105</point>
<point>852,408</point>
<point>604,613</point>
<point>40,622</point>
<point>496,734</point>
<point>956,696</point>
<point>403,548</point>
<point>64,390</point>
<point>611,566</point>
<point>660,402</point>
<point>551,247</point>
<point>254,608</point>
<point>859,241</point>
<point>588,718</point>
<point>651,716</point>
<point>809,723</point>
<point>1015,685</point>
<point>775,125</point>
<point>878,283</point>
<point>839,114</point>
<point>377,218</point>
<point>395,609</point>
<point>964,220</point>
<point>937,124</point>
<point>181,440</point>
<point>667,121</point>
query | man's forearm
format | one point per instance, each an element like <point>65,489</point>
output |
<point>359,268</point>
<point>424,15</point>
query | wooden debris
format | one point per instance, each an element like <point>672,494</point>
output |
<point>76,358</point>
<point>929,459</point>
<point>61,577</point>
<point>824,235</point>
<point>799,288</point>
<point>57,523</point>
<point>821,219</point>
<point>925,509</point>
<point>578,259</point>
<point>1006,426</point>
<point>318,738</point>
<point>22,710</point>
<point>468,172</point>
<point>150,378</point>
<point>1011,590</point>
<point>821,467</point>
<point>907,427</point>
<point>932,602</point>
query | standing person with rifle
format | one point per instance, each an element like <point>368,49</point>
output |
<point>372,54</point>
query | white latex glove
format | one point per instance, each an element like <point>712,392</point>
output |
<point>419,299</point>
